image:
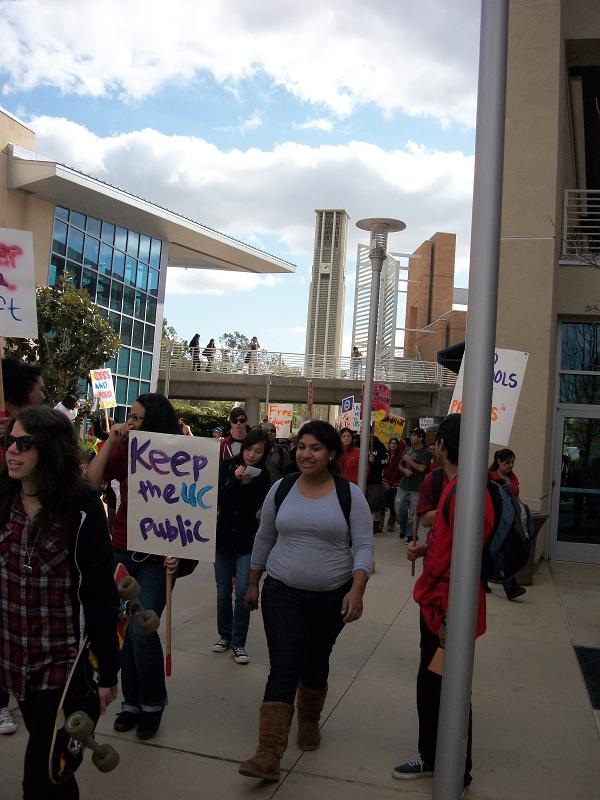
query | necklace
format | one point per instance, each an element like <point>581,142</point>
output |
<point>27,568</point>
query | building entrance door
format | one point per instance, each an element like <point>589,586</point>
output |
<point>576,495</point>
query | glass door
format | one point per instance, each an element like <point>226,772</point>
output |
<point>576,494</point>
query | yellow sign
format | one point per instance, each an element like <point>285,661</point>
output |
<point>387,426</point>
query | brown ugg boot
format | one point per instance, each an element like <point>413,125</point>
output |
<point>309,703</point>
<point>274,725</point>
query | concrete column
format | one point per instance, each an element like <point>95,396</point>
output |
<point>251,405</point>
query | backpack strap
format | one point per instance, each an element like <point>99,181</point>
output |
<point>283,489</point>
<point>446,506</point>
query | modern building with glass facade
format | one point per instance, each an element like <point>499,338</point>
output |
<point>114,244</point>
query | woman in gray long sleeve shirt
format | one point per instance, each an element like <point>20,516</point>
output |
<point>317,569</point>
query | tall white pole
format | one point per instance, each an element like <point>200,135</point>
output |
<point>477,401</point>
<point>365,431</point>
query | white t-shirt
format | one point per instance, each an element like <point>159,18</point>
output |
<point>71,413</point>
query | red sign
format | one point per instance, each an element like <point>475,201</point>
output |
<point>309,400</point>
<point>381,399</point>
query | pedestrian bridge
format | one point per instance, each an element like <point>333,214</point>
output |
<point>419,388</point>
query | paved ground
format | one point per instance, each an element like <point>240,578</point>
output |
<point>535,733</point>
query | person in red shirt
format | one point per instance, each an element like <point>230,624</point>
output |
<point>230,446</point>
<point>348,461</point>
<point>431,593</point>
<point>501,471</point>
<point>142,663</point>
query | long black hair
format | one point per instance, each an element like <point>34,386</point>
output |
<point>500,456</point>
<point>256,436</point>
<point>58,474</point>
<point>159,414</point>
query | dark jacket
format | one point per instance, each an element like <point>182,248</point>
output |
<point>91,556</point>
<point>238,503</point>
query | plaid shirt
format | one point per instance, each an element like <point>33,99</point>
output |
<point>38,631</point>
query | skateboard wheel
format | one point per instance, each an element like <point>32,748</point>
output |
<point>79,726</point>
<point>129,588</point>
<point>148,621</point>
<point>105,758</point>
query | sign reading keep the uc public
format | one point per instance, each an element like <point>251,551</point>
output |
<point>18,314</point>
<point>172,495</point>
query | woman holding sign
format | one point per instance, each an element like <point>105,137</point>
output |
<point>142,664</point>
<point>55,559</point>
<point>243,485</point>
<point>315,542</point>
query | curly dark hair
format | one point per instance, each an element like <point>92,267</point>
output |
<point>58,473</point>
<point>159,414</point>
<point>18,379</point>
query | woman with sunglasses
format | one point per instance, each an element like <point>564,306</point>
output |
<point>55,557</point>
<point>142,665</point>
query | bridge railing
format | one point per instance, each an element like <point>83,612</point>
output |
<point>300,365</point>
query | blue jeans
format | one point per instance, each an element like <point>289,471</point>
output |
<point>406,503</point>
<point>142,662</point>
<point>232,620</point>
<point>301,627</point>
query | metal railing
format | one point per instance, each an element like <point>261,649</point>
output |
<point>300,365</point>
<point>581,226</point>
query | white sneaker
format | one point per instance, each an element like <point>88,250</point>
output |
<point>221,645</point>
<point>240,656</point>
<point>7,723</point>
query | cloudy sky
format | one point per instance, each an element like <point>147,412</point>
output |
<point>246,115</point>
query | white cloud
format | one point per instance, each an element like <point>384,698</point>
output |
<point>419,58</point>
<point>320,124</point>
<point>252,123</point>
<point>268,197</point>
<point>214,282</point>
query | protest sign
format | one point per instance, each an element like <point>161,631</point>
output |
<point>426,423</point>
<point>309,402</point>
<point>102,388</point>
<point>172,496</point>
<point>381,399</point>
<point>280,415</point>
<point>347,404</point>
<point>388,426</point>
<point>508,374</point>
<point>356,417</point>
<point>18,314</point>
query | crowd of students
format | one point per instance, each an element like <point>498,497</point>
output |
<point>293,515</point>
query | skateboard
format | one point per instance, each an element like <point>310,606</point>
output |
<point>79,708</point>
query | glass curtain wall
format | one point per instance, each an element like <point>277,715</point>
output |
<point>120,270</point>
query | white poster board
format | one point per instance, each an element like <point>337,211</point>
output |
<point>426,423</point>
<point>103,388</point>
<point>172,495</point>
<point>509,372</point>
<point>18,314</point>
<point>280,415</point>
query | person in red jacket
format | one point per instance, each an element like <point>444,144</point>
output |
<point>431,593</point>
<point>231,445</point>
<point>501,471</point>
<point>348,461</point>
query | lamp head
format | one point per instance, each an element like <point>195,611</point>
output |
<point>379,228</point>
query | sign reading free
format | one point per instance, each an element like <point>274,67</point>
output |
<point>102,387</point>
<point>172,495</point>
<point>508,376</point>
<point>280,415</point>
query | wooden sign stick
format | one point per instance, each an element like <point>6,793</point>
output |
<point>107,419</point>
<point>168,625</point>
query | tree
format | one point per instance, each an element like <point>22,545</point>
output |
<point>234,341</point>
<point>73,338</point>
<point>168,332</point>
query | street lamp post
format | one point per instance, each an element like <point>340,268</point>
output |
<point>379,228</point>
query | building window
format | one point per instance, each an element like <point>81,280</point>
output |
<point>580,363</point>
<point>120,270</point>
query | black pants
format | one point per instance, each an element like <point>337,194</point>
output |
<point>39,711</point>
<point>301,629</point>
<point>429,687</point>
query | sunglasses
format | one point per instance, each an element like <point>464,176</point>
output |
<point>23,443</point>
<point>238,420</point>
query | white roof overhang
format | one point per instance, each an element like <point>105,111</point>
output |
<point>190,244</point>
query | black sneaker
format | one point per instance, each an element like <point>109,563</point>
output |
<point>149,724</point>
<point>126,721</point>
<point>517,591</point>
<point>416,768</point>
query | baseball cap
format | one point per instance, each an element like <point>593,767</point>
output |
<point>214,430</point>
<point>420,432</point>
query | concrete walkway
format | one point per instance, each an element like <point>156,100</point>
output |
<point>535,734</point>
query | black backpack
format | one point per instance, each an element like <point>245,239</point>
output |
<point>342,488</point>
<point>512,538</point>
